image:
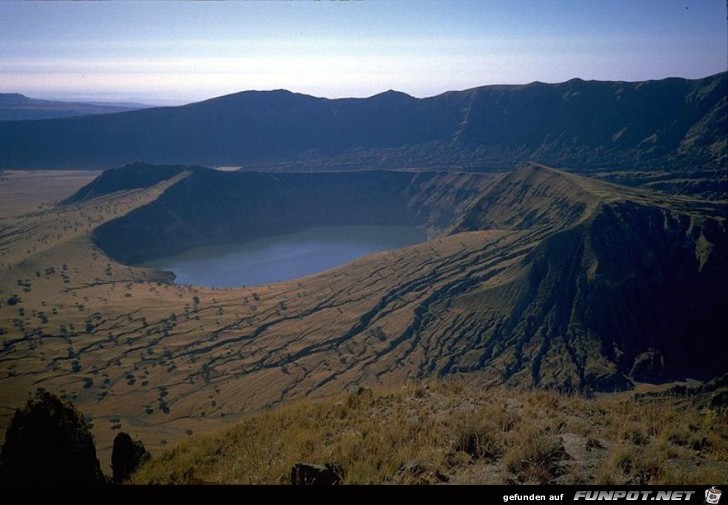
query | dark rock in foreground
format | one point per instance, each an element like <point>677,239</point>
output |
<point>49,442</point>
<point>303,474</point>
<point>127,456</point>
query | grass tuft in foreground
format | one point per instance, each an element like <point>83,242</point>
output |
<point>457,432</point>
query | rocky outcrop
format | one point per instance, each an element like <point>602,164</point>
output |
<point>306,474</point>
<point>126,457</point>
<point>49,443</point>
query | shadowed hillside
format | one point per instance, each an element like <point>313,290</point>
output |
<point>211,207</point>
<point>621,286</point>
<point>673,124</point>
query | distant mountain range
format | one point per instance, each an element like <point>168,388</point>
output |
<point>14,106</point>
<point>674,124</point>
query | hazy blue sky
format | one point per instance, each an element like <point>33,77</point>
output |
<point>170,52</point>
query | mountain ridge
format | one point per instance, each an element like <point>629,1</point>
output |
<point>673,124</point>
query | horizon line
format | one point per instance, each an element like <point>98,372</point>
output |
<point>99,100</point>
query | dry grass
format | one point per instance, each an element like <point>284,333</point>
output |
<point>464,434</point>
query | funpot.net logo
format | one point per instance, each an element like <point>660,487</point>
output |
<point>635,495</point>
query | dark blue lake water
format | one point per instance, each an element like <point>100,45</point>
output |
<point>284,257</point>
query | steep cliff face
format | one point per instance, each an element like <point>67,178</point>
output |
<point>655,284</point>
<point>633,291</point>
<point>616,286</point>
